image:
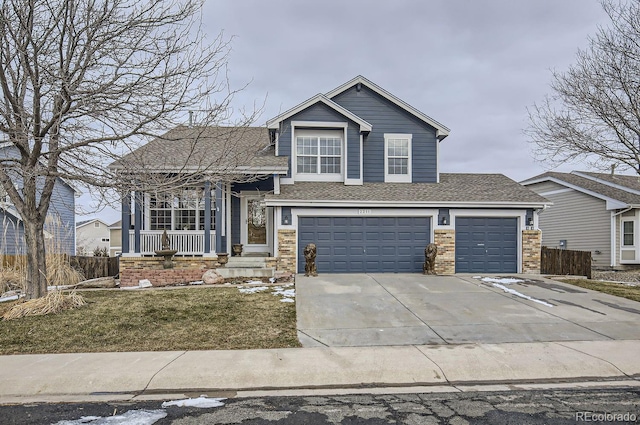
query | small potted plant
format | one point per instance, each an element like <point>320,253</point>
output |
<point>237,249</point>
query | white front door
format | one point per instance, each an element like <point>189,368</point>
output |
<point>255,225</point>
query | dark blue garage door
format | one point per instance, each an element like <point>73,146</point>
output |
<point>486,245</point>
<point>365,244</point>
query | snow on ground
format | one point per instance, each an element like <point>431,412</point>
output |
<point>253,289</point>
<point>202,402</point>
<point>518,294</point>
<point>132,417</point>
<point>501,281</point>
<point>504,280</point>
<point>287,295</point>
<point>10,298</point>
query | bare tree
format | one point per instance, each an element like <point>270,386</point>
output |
<point>594,111</point>
<point>84,82</point>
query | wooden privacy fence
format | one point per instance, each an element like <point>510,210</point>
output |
<point>93,267</point>
<point>565,262</point>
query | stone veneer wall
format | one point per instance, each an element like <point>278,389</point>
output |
<point>446,259</point>
<point>287,250</point>
<point>531,246</point>
<point>185,269</point>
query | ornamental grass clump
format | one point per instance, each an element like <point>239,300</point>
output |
<point>54,302</point>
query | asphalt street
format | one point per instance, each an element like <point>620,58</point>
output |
<point>550,406</point>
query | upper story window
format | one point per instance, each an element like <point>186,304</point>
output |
<point>397,158</point>
<point>319,155</point>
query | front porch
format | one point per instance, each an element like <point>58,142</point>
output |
<point>200,221</point>
<point>187,243</point>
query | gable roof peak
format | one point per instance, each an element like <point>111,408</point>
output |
<point>442,131</point>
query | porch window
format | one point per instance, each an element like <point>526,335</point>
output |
<point>397,157</point>
<point>183,210</point>
<point>319,153</point>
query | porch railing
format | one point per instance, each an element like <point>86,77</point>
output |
<point>186,242</point>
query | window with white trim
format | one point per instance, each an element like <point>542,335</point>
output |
<point>628,234</point>
<point>397,158</point>
<point>183,210</point>
<point>319,154</point>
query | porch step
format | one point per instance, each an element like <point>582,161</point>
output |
<point>246,272</point>
<point>246,262</point>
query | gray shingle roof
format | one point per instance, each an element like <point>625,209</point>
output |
<point>216,149</point>
<point>452,189</point>
<point>596,187</point>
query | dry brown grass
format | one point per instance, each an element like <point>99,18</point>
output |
<point>611,288</point>
<point>55,302</point>
<point>60,272</point>
<point>156,320</point>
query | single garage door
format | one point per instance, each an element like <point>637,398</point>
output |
<point>486,245</point>
<point>365,244</point>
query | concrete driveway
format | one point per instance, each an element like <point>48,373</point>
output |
<point>406,309</point>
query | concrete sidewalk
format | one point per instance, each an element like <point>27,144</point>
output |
<point>144,375</point>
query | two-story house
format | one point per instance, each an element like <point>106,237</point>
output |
<point>355,171</point>
<point>59,229</point>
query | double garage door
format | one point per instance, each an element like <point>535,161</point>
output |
<point>396,244</point>
<point>365,244</point>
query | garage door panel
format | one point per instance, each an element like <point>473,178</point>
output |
<point>486,244</point>
<point>365,244</point>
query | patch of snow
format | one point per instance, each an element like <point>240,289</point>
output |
<point>477,277</point>
<point>287,300</point>
<point>144,283</point>
<point>287,293</point>
<point>10,298</point>
<point>253,289</point>
<point>132,417</point>
<point>504,280</point>
<point>272,279</point>
<point>197,282</point>
<point>518,294</point>
<point>58,288</point>
<point>254,282</point>
<point>201,402</point>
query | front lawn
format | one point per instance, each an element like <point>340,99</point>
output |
<point>194,318</point>
<point>611,288</point>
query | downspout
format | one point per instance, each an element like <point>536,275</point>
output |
<point>613,234</point>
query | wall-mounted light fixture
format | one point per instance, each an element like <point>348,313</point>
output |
<point>286,220</point>
<point>443,220</point>
<point>530,221</point>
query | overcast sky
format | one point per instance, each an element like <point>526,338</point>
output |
<point>474,66</point>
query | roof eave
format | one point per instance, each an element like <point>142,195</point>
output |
<point>272,202</point>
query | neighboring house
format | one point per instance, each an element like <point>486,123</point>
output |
<point>91,235</point>
<point>115,239</point>
<point>59,231</point>
<point>355,171</point>
<point>591,212</point>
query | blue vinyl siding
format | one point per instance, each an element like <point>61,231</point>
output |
<point>12,241</point>
<point>321,112</point>
<point>61,207</point>
<point>386,117</point>
<point>261,185</point>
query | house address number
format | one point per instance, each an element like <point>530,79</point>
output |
<point>364,212</point>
